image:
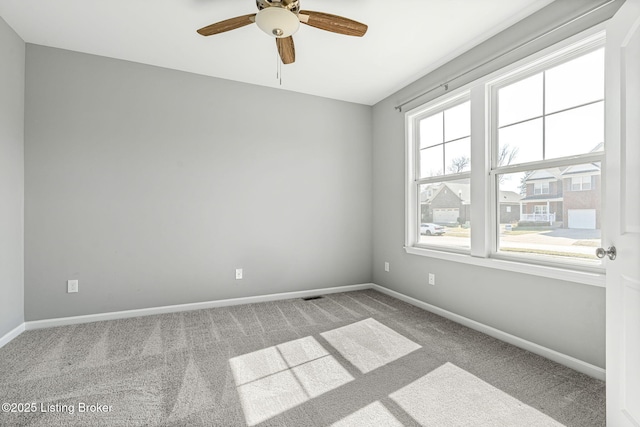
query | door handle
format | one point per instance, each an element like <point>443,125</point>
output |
<point>601,252</point>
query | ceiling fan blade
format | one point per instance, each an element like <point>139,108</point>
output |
<point>286,49</point>
<point>333,23</point>
<point>227,25</point>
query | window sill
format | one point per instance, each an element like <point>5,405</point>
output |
<point>584,277</point>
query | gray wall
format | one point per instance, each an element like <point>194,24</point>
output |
<point>563,316</point>
<point>12,54</point>
<point>151,186</point>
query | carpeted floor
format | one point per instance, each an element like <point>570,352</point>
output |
<point>350,359</point>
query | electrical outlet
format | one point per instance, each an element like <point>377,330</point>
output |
<point>432,279</point>
<point>72,286</point>
<point>386,267</point>
<point>238,273</point>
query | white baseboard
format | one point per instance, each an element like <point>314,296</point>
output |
<point>563,359</point>
<point>11,334</point>
<point>556,356</point>
<point>63,321</point>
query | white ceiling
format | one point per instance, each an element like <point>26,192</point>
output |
<point>405,40</point>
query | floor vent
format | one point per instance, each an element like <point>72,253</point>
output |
<point>312,298</point>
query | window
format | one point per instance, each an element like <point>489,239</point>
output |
<point>537,137</point>
<point>541,209</point>
<point>441,177</point>
<point>562,227</point>
<point>552,116</point>
<point>541,188</point>
<point>444,141</point>
<point>580,183</point>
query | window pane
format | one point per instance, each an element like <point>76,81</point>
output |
<point>541,187</point>
<point>541,209</point>
<point>576,131</point>
<point>457,121</point>
<point>520,101</point>
<point>457,155</point>
<point>561,225</point>
<point>575,82</point>
<point>431,161</point>
<point>445,214</point>
<point>431,131</point>
<point>524,139</point>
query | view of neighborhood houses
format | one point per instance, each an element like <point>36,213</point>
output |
<point>549,212</point>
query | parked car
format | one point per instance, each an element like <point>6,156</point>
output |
<point>431,229</point>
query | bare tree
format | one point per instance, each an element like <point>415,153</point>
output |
<point>506,155</point>
<point>523,183</point>
<point>459,164</point>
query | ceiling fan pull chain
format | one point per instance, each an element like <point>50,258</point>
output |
<point>278,68</point>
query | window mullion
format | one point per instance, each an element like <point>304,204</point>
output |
<point>545,164</point>
<point>444,138</point>
<point>544,114</point>
<point>441,178</point>
<point>480,194</point>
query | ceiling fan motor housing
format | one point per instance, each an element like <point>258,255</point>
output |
<point>290,5</point>
<point>277,22</point>
<point>281,19</point>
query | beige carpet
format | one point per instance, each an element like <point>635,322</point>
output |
<point>351,359</point>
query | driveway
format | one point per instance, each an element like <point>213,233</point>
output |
<point>573,233</point>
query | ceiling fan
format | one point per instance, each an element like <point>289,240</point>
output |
<point>281,19</point>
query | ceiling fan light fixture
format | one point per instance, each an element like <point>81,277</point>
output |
<point>277,22</point>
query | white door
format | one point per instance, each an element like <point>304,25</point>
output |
<point>622,227</point>
<point>445,216</point>
<point>582,218</point>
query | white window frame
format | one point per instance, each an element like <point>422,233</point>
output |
<point>484,187</point>
<point>534,67</point>
<point>412,227</point>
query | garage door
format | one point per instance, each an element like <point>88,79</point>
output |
<point>446,216</point>
<point>582,218</point>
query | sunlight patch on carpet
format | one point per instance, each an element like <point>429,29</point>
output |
<point>374,414</point>
<point>259,364</point>
<point>275,379</point>
<point>369,344</point>
<point>452,396</point>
